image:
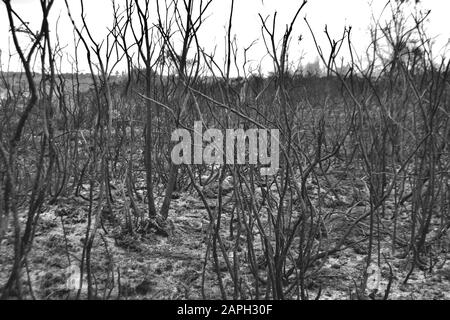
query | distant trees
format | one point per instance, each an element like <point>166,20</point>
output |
<point>312,69</point>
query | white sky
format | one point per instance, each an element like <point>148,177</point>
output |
<point>246,24</point>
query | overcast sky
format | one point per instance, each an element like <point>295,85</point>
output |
<point>246,23</point>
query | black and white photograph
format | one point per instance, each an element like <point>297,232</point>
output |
<point>188,151</point>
